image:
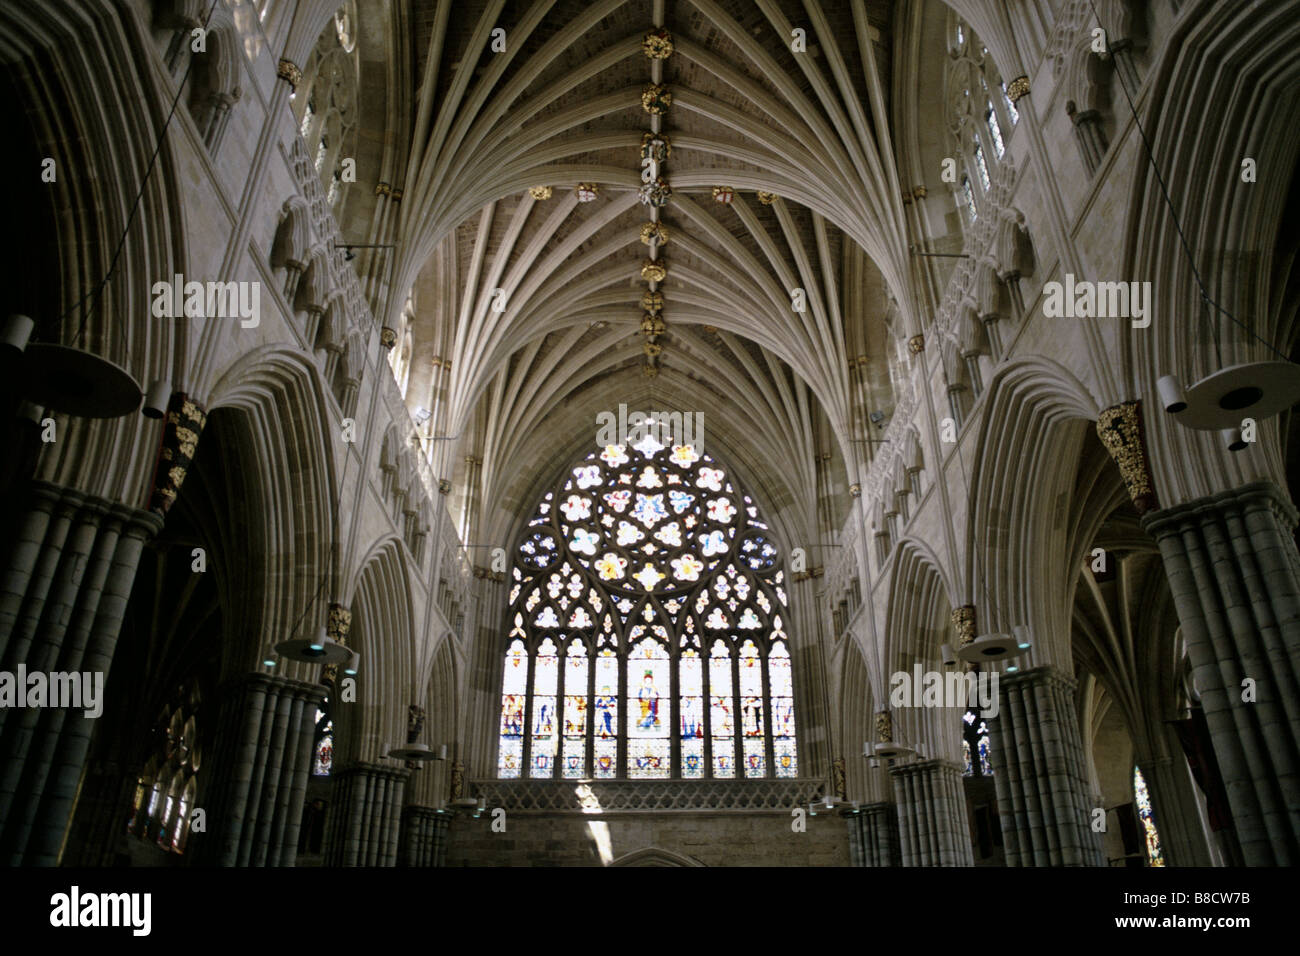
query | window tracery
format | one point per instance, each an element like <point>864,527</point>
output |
<point>648,592</point>
<point>326,101</point>
<point>167,786</point>
<point>978,120</point>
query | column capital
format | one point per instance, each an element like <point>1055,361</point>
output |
<point>1256,495</point>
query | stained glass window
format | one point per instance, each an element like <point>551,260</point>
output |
<point>1155,857</point>
<point>166,788</point>
<point>648,585</point>
<point>995,131</point>
<point>981,167</point>
<point>324,761</point>
<point>969,195</point>
<point>975,743</point>
<point>1011,107</point>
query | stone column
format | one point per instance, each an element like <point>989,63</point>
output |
<point>1235,577</point>
<point>873,835</point>
<point>365,818</point>
<point>932,814</point>
<point>1038,770</point>
<point>424,836</point>
<point>258,776</point>
<point>63,591</point>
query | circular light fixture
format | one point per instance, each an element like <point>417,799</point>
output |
<point>417,751</point>
<point>990,647</point>
<point>889,750</point>
<point>79,383</point>
<point>1221,400</point>
<point>321,649</point>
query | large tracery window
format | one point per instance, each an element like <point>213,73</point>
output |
<point>647,638</point>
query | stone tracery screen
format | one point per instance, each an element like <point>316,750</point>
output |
<point>646,634</point>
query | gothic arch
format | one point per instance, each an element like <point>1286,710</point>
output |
<point>56,266</point>
<point>288,454</point>
<point>383,632</point>
<point>1204,130</point>
<point>919,613</point>
<point>655,856</point>
<point>1034,403</point>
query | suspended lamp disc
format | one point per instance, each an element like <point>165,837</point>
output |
<point>415,751</point>
<point>1253,390</point>
<point>78,383</point>
<point>321,649</point>
<point>892,751</point>
<point>990,647</point>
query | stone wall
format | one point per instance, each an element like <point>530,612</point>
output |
<point>569,839</point>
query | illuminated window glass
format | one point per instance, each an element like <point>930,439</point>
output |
<point>1011,107</point>
<point>995,131</point>
<point>324,755</point>
<point>648,583</point>
<point>1155,857</point>
<point>981,167</point>
<point>975,744</point>
<point>969,196</point>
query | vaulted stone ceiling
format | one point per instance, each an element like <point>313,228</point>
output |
<point>562,105</point>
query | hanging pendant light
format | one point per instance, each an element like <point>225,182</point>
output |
<point>77,382</point>
<point>321,649</point>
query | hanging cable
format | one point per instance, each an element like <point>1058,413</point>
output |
<point>1173,214</point>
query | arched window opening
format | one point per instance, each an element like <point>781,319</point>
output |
<point>326,102</point>
<point>977,120</point>
<point>167,786</point>
<point>642,561</point>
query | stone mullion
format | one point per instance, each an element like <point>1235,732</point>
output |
<point>589,754</point>
<point>623,694</point>
<point>561,686</point>
<point>738,716</point>
<point>526,743</point>
<point>769,746</point>
<point>674,712</point>
<point>707,705</point>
